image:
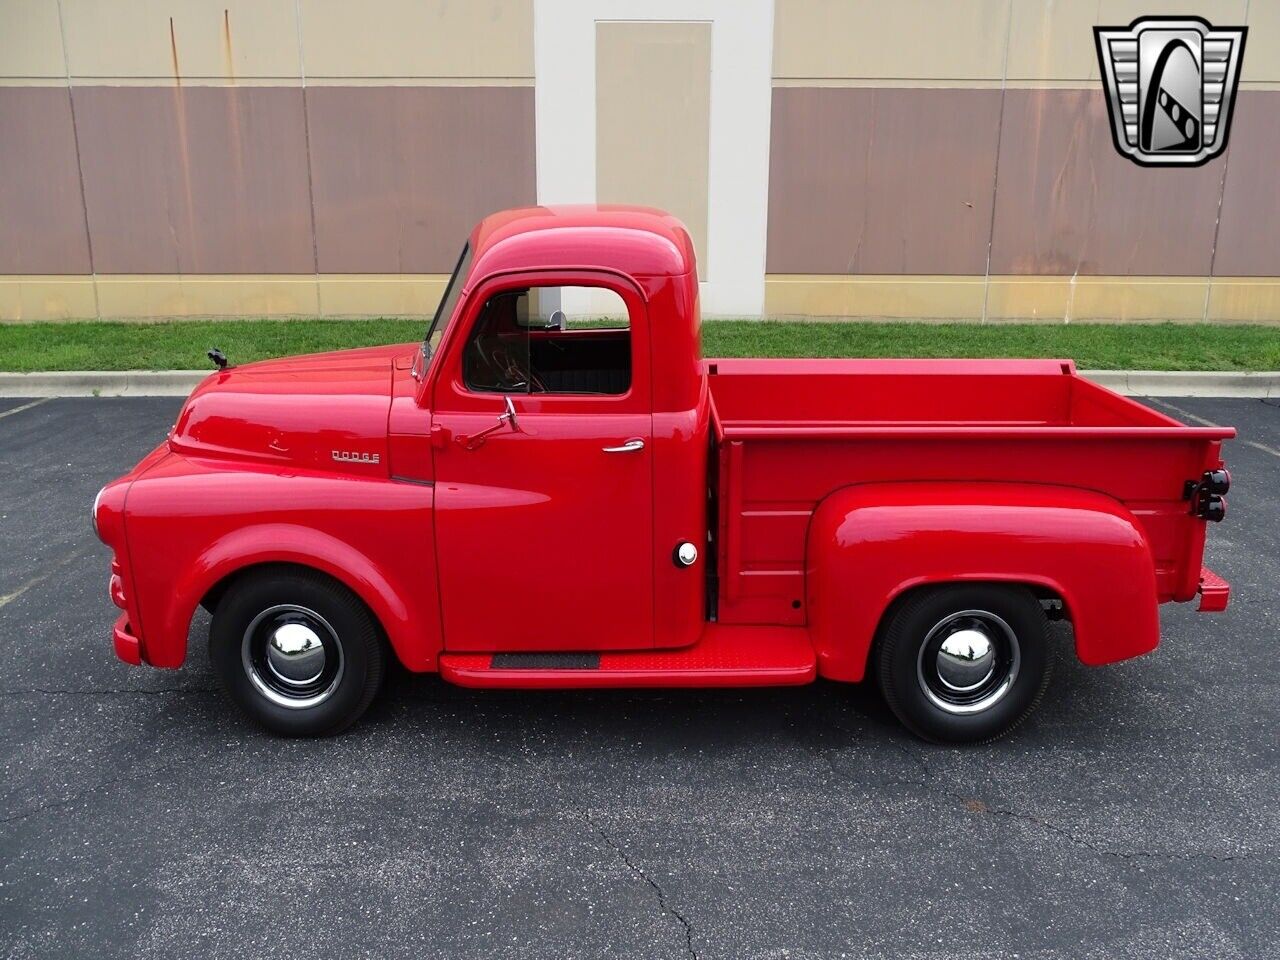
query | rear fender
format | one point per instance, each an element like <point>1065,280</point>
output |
<point>869,544</point>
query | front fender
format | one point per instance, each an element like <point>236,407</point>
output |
<point>190,524</point>
<point>869,544</point>
<point>289,543</point>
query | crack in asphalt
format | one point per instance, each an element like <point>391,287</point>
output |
<point>81,794</point>
<point>657,889</point>
<point>929,780</point>
<point>979,806</point>
<point>104,692</point>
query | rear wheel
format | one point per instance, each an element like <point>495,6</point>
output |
<point>964,663</point>
<point>297,651</point>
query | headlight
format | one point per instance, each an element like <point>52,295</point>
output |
<point>94,517</point>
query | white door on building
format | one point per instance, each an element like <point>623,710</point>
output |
<point>664,103</point>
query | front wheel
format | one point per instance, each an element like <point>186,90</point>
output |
<point>296,650</point>
<point>965,663</point>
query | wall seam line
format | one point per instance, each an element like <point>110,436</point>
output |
<point>306,143</point>
<point>75,141</point>
<point>1217,223</point>
<point>995,171</point>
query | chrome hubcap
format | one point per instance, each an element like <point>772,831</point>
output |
<point>295,654</point>
<point>292,656</point>
<point>968,662</point>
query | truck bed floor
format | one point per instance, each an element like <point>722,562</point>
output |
<point>725,656</point>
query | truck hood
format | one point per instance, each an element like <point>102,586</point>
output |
<point>326,411</point>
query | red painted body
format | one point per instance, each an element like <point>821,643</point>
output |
<point>835,487</point>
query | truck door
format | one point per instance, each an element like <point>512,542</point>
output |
<point>542,431</point>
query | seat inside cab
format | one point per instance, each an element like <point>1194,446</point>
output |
<point>563,340</point>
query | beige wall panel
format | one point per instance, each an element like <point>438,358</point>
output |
<point>1096,298</point>
<point>1147,298</point>
<point>29,298</point>
<point>1249,232</point>
<point>1067,202</point>
<point>1028,298</point>
<point>41,215</point>
<point>240,39</point>
<point>1244,300</point>
<point>1262,48</point>
<point>418,38</point>
<point>195,180</point>
<point>653,116</point>
<point>939,39</point>
<point>932,298</point>
<point>207,296</point>
<point>46,298</point>
<point>1053,39</point>
<point>370,295</point>
<point>1045,299</point>
<point>402,174</point>
<point>880,181</point>
<point>31,39</point>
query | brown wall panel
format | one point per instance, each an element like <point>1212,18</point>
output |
<point>876,180</point>
<point>402,174</point>
<point>1249,234</point>
<point>195,179</point>
<point>1067,202</point>
<point>41,215</point>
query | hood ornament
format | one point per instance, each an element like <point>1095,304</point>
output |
<point>218,357</point>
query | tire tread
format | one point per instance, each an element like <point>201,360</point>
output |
<point>893,634</point>
<point>281,580</point>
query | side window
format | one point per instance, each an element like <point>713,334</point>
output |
<point>552,340</point>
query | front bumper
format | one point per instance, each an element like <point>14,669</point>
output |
<point>128,647</point>
<point>1215,593</point>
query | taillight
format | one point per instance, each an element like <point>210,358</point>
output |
<point>1206,494</point>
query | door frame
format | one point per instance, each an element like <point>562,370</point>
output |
<point>450,397</point>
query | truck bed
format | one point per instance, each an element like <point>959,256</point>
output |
<point>789,432</point>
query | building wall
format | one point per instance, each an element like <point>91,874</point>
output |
<point>955,160</point>
<point>254,157</point>
<point>862,158</point>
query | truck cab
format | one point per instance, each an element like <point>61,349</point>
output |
<point>555,489</point>
<point>598,405</point>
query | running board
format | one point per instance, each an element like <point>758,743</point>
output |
<point>725,656</point>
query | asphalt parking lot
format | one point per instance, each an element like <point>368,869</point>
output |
<point>1137,814</point>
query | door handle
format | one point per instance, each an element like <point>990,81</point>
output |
<point>631,446</point>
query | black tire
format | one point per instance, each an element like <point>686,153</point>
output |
<point>934,648</point>
<point>298,609</point>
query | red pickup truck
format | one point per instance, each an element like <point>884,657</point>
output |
<point>554,489</point>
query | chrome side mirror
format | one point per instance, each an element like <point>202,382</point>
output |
<point>510,415</point>
<point>505,419</point>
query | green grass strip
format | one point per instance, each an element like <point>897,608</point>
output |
<point>182,345</point>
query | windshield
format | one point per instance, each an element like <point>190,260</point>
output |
<point>447,303</point>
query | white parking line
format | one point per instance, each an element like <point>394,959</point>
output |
<point>25,406</point>
<point>1209,423</point>
<point>41,577</point>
